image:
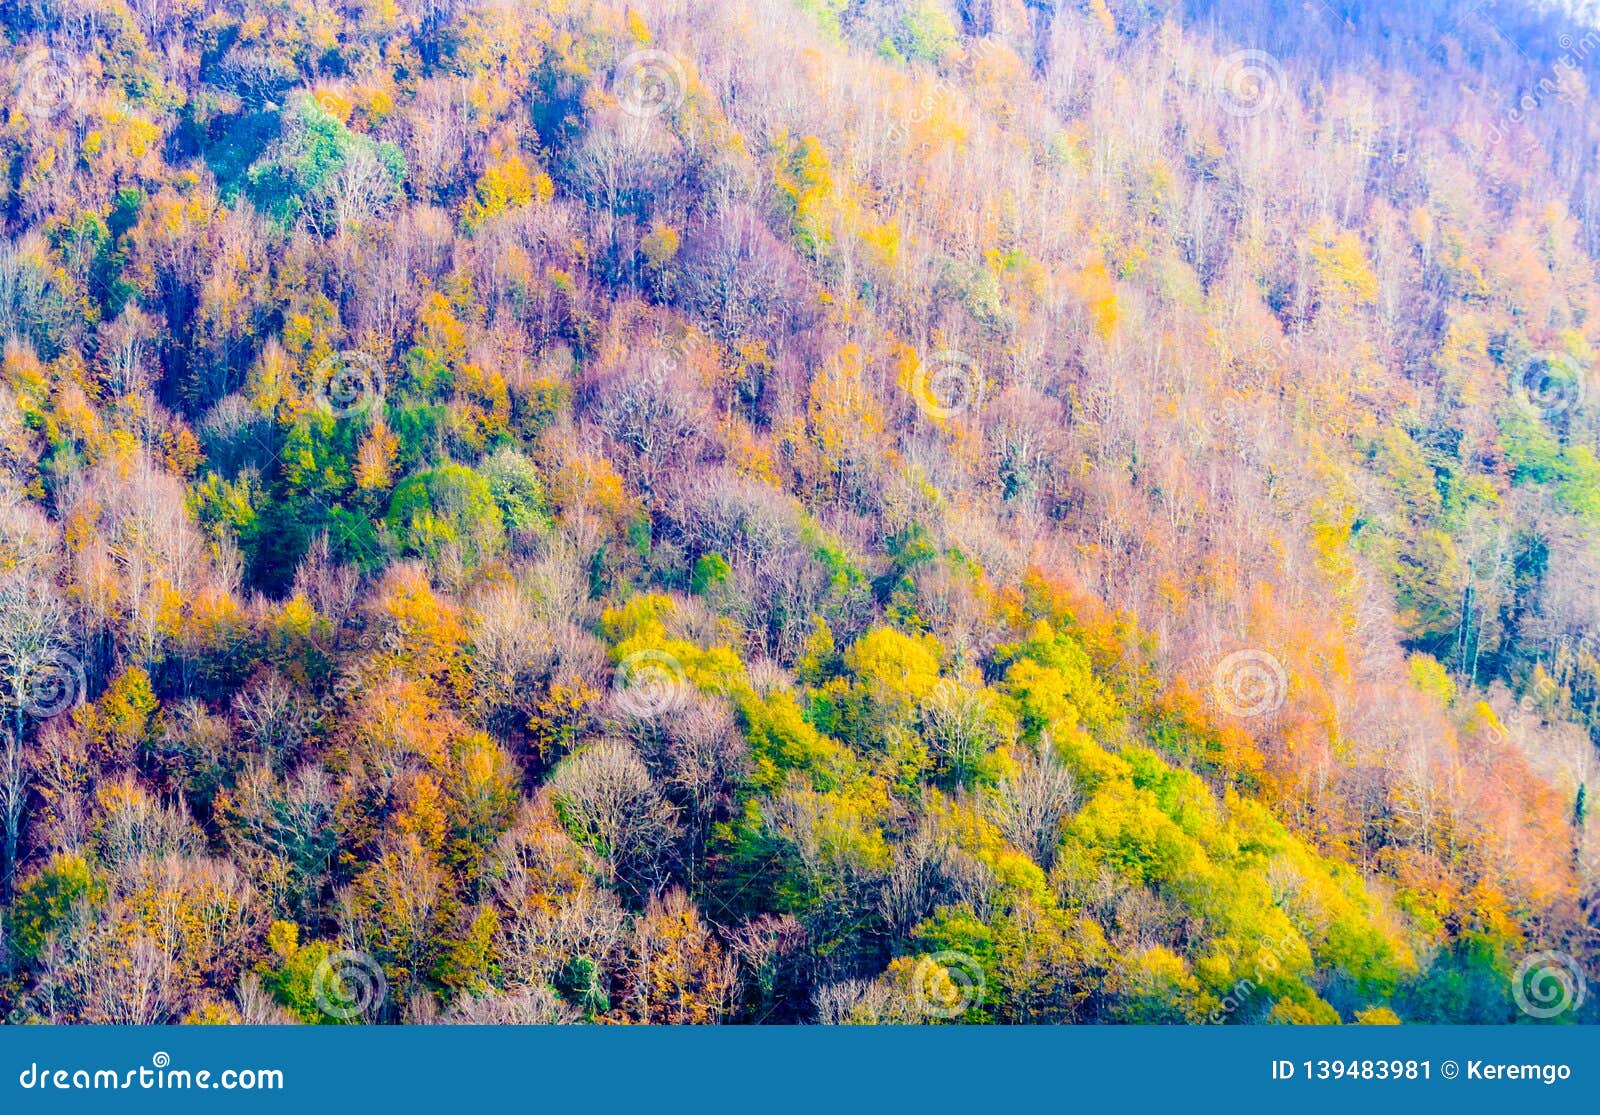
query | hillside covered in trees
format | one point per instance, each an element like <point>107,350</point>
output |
<point>845,511</point>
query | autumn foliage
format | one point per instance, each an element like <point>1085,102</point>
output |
<point>805,510</point>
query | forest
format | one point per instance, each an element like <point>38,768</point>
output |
<point>799,511</point>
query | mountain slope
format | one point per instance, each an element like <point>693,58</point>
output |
<point>790,511</point>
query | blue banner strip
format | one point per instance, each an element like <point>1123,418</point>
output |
<point>814,1069</point>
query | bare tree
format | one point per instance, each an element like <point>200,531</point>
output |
<point>700,757</point>
<point>125,346</point>
<point>1033,802</point>
<point>362,189</point>
<point>33,625</point>
<point>331,587</point>
<point>605,795</point>
<point>552,916</point>
<point>283,836</point>
<point>961,725</point>
<point>13,804</point>
<point>524,1006</point>
<point>274,716</point>
<point>652,406</point>
<point>36,680</point>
